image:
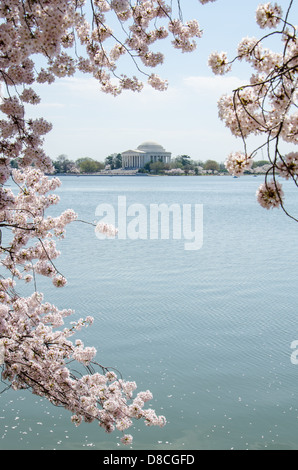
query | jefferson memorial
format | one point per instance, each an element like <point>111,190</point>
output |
<point>148,152</point>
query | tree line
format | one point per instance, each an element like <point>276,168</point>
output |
<point>86,164</point>
<point>182,162</point>
<point>187,165</point>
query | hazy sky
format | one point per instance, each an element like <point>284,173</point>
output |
<point>184,119</point>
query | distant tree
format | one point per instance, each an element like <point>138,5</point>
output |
<point>157,167</point>
<point>259,163</point>
<point>176,163</point>
<point>118,161</point>
<point>110,161</point>
<point>114,161</point>
<point>185,160</point>
<point>88,165</point>
<point>63,164</point>
<point>222,168</point>
<point>211,165</point>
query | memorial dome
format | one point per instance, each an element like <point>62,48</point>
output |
<point>151,147</point>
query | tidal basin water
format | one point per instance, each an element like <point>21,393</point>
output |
<point>208,331</point>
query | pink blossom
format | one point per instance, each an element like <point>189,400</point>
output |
<point>268,15</point>
<point>106,229</point>
<point>270,194</point>
<point>157,83</point>
<point>59,281</point>
<point>127,439</point>
<point>288,166</point>
<point>237,163</point>
<point>219,63</point>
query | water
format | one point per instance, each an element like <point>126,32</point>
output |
<point>208,331</point>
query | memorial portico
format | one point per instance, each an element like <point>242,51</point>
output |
<point>148,152</point>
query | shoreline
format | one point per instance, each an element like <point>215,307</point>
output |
<point>151,175</point>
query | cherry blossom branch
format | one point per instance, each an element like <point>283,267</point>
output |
<point>265,105</point>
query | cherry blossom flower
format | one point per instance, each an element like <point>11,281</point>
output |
<point>219,63</point>
<point>157,83</point>
<point>268,15</point>
<point>237,163</point>
<point>106,229</point>
<point>288,166</point>
<point>59,281</point>
<point>126,439</point>
<point>270,194</point>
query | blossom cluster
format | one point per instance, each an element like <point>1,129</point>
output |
<point>27,30</point>
<point>32,247</point>
<point>218,62</point>
<point>268,15</point>
<point>237,163</point>
<point>183,33</point>
<point>270,194</point>
<point>34,353</point>
<point>267,105</point>
<point>288,166</point>
<point>106,229</point>
<point>34,350</point>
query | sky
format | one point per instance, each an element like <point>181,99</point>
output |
<point>183,119</point>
